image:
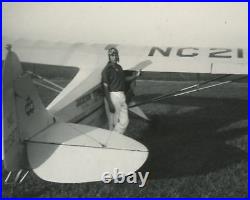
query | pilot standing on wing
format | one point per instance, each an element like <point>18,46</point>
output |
<point>114,82</point>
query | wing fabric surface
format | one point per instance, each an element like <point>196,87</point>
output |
<point>148,58</point>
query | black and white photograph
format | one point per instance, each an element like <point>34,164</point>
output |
<point>124,99</point>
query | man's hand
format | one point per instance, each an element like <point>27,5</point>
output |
<point>138,73</point>
<point>111,108</point>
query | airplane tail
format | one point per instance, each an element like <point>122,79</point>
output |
<point>23,113</point>
<point>58,152</point>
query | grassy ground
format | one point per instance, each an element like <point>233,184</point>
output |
<point>198,148</point>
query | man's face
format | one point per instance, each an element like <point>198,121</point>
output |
<point>114,58</point>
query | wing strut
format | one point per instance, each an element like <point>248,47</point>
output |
<point>187,90</point>
<point>39,80</point>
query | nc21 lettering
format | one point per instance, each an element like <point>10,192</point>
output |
<point>193,52</point>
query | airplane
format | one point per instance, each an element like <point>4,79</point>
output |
<point>51,142</point>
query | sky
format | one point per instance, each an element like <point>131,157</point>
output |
<point>162,24</point>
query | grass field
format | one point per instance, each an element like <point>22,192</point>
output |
<point>198,148</point>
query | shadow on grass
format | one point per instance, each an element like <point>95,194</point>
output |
<point>190,143</point>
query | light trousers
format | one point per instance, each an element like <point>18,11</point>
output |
<point>118,121</point>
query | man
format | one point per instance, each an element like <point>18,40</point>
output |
<point>114,82</point>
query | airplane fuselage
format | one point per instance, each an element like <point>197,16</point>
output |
<point>87,109</point>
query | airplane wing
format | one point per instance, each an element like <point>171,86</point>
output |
<point>187,59</point>
<point>88,57</point>
<point>91,59</point>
